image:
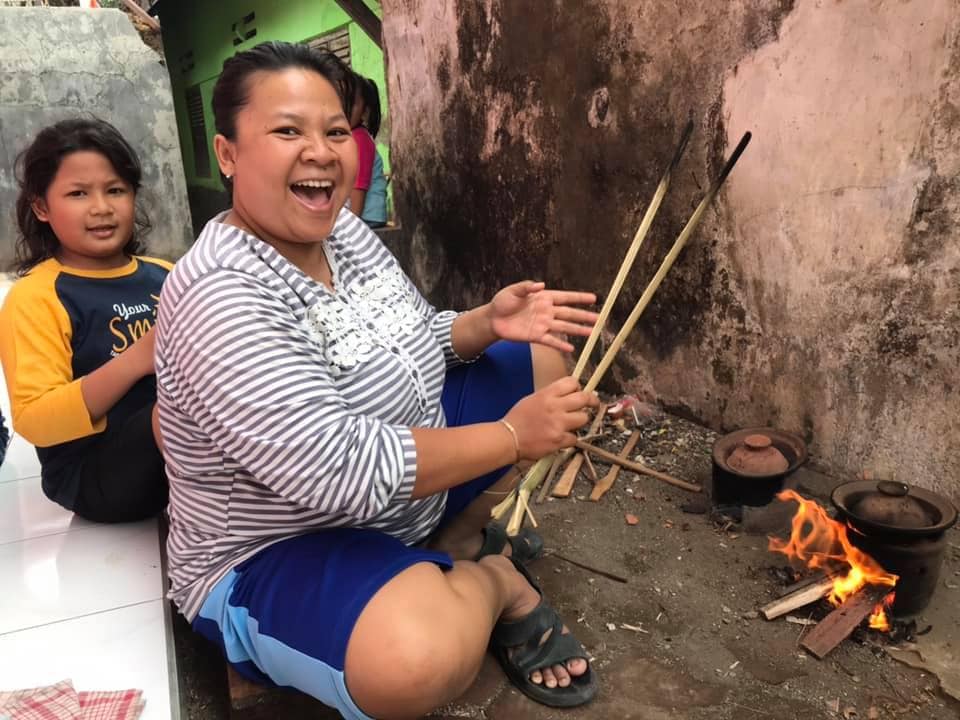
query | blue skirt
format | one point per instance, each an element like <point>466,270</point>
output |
<point>284,617</point>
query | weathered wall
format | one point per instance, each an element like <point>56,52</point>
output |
<point>820,296</point>
<point>57,63</point>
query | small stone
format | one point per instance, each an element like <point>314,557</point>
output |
<point>751,615</point>
<point>611,627</point>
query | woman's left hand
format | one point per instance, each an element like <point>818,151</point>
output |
<point>528,312</point>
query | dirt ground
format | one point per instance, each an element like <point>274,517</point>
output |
<point>681,638</point>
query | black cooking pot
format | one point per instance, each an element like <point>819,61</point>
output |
<point>751,465</point>
<point>903,528</point>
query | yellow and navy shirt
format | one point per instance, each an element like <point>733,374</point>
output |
<point>57,325</point>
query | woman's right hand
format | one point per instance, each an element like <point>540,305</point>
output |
<point>546,420</point>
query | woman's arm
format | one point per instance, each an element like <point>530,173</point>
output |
<point>524,312</point>
<point>544,422</point>
<point>258,391</point>
<point>472,332</point>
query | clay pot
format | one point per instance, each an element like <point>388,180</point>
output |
<point>751,465</point>
<point>902,527</point>
<point>757,456</point>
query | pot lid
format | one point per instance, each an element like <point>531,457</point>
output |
<point>891,504</point>
<point>895,506</point>
<point>779,452</point>
<point>757,455</point>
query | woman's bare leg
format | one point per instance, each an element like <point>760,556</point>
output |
<point>421,639</point>
<point>461,538</point>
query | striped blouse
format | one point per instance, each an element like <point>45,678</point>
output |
<point>286,407</point>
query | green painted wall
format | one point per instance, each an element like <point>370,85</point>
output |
<point>204,28</point>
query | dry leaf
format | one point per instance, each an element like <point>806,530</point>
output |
<point>631,519</point>
<point>873,713</point>
<point>849,712</point>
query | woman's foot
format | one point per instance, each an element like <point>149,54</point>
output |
<point>525,599</point>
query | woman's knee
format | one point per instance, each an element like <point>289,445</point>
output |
<point>548,365</point>
<point>406,655</point>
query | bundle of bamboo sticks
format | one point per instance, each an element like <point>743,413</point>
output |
<point>519,498</point>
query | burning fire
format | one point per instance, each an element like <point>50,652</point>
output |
<point>821,542</point>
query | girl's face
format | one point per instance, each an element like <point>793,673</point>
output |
<point>91,211</point>
<point>293,160</point>
<point>356,114</point>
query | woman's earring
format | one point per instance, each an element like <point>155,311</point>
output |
<point>229,177</point>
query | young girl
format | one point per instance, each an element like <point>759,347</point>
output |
<point>76,330</point>
<point>369,196</point>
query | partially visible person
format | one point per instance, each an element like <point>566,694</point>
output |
<point>368,199</point>
<point>76,329</point>
<point>4,438</point>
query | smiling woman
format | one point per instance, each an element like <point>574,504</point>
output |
<point>321,423</point>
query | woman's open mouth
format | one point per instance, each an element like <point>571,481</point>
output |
<point>314,194</point>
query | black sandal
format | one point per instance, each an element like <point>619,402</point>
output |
<point>526,546</point>
<point>518,648</point>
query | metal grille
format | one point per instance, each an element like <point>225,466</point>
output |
<point>337,42</point>
<point>198,132</point>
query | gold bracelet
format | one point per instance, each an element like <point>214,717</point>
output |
<point>516,440</point>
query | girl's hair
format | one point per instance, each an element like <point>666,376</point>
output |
<point>371,100</point>
<point>37,166</point>
<point>232,90</point>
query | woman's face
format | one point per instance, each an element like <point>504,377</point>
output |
<point>293,160</point>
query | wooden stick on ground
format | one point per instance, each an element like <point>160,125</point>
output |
<point>558,460</point>
<point>591,470</point>
<point>601,488</point>
<point>592,569</point>
<point>638,467</point>
<point>797,599</point>
<point>565,484</point>
<point>838,625</point>
<point>807,581</point>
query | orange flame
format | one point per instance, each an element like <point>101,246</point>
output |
<point>878,620</point>
<point>821,542</point>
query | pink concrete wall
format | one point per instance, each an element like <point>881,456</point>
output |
<point>820,296</point>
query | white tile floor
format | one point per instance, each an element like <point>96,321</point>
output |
<point>78,600</point>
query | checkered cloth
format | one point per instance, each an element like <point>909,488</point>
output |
<point>63,702</point>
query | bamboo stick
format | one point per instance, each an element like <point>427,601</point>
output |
<point>540,469</point>
<point>638,467</point>
<point>632,251</point>
<point>548,464</point>
<point>665,266</point>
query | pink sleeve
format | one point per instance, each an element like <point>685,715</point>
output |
<point>365,152</point>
